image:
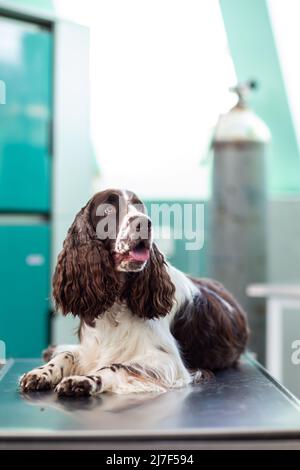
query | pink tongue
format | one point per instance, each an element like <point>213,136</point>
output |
<point>140,255</point>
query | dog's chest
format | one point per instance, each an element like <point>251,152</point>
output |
<point>116,337</point>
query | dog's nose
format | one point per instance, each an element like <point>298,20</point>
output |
<point>141,225</point>
<point>144,223</point>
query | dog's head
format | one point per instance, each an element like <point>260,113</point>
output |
<point>120,221</point>
<point>112,235</point>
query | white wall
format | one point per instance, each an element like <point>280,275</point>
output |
<point>72,167</point>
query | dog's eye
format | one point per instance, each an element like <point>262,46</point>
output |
<point>109,210</point>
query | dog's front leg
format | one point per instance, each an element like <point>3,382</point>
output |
<point>125,378</point>
<point>49,375</point>
<point>116,378</point>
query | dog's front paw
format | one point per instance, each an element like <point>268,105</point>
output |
<point>37,379</point>
<point>78,386</point>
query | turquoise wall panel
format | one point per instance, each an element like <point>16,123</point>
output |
<point>46,6</point>
<point>25,118</point>
<point>192,262</point>
<point>25,286</point>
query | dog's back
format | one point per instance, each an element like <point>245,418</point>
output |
<point>210,328</point>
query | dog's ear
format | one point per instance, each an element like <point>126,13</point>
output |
<point>150,293</point>
<point>85,282</point>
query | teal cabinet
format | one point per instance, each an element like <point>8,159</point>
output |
<point>25,182</point>
<point>25,118</point>
<point>24,288</point>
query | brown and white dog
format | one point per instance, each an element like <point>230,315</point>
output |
<point>144,325</point>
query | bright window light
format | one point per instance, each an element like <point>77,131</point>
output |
<point>160,73</point>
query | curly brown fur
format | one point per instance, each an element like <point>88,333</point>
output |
<point>85,282</point>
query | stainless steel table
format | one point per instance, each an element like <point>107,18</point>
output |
<point>242,408</point>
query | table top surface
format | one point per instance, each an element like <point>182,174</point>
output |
<point>239,401</point>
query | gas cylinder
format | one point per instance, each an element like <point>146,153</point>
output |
<point>238,209</point>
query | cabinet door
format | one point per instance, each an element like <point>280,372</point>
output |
<point>25,117</point>
<point>24,289</point>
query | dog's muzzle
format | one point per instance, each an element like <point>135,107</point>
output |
<point>134,243</point>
